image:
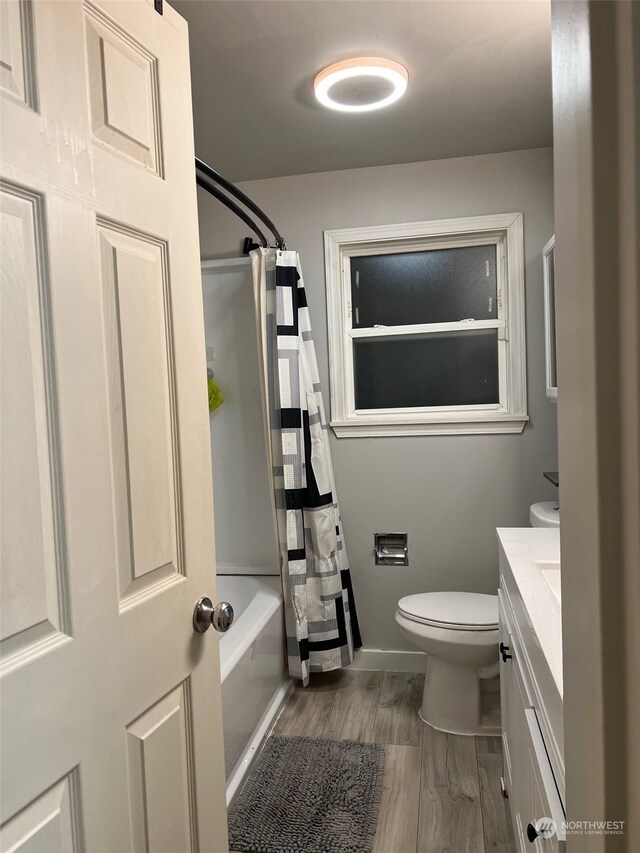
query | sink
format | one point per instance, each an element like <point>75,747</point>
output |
<point>545,514</point>
<point>550,571</point>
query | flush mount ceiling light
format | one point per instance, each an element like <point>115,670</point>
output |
<point>358,85</point>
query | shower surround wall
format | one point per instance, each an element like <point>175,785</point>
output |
<point>448,492</point>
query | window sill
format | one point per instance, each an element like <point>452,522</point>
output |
<point>371,427</point>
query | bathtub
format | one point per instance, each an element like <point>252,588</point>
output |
<point>254,680</point>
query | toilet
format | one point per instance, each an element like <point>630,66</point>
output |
<point>459,632</point>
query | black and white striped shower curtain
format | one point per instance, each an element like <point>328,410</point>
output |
<point>320,616</point>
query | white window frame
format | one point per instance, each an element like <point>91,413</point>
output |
<point>505,230</point>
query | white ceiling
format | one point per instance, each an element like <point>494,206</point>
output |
<point>479,81</point>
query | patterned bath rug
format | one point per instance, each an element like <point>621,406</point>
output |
<point>309,795</point>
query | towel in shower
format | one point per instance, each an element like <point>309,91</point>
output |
<point>215,395</point>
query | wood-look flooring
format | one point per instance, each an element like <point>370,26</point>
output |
<point>441,793</point>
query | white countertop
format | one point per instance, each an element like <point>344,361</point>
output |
<point>525,548</point>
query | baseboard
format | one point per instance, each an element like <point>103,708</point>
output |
<point>390,660</point>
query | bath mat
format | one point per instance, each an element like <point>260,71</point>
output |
<point>309,795</point>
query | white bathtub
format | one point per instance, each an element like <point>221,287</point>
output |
<point>254,680</point>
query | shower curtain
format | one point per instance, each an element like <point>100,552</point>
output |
<point>320,615</point>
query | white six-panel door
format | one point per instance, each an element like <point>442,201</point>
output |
<point>110,703</point>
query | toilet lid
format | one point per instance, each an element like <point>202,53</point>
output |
<point>465,611</point>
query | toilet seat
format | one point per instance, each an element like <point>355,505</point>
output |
<point>460,611</point>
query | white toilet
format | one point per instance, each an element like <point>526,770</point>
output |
<point>459,632</point>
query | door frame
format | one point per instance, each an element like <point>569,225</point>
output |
<point>596,103</point>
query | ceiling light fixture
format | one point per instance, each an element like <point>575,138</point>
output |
<point>359,85</point>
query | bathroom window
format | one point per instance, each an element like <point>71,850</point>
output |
<point>426,327</point>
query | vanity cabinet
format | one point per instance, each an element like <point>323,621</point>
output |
<point>532,736</point>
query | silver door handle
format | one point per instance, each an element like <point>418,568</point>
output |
<point>205,614</point>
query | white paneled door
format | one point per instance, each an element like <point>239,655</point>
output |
<point>110,702</point>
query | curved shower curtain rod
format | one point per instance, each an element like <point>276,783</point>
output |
<point>210,175</point>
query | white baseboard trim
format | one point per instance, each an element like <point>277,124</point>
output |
<point>390,660</point>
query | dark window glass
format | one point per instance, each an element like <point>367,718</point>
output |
<point>435,286</point>
<point>444,369</point>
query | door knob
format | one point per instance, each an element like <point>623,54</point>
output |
<point>532,832</point>
<point>543,828</point>
<point>205,614</point>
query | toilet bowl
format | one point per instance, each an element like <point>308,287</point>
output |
<point>459,632</point>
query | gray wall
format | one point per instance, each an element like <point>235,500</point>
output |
<point>448,492</point>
